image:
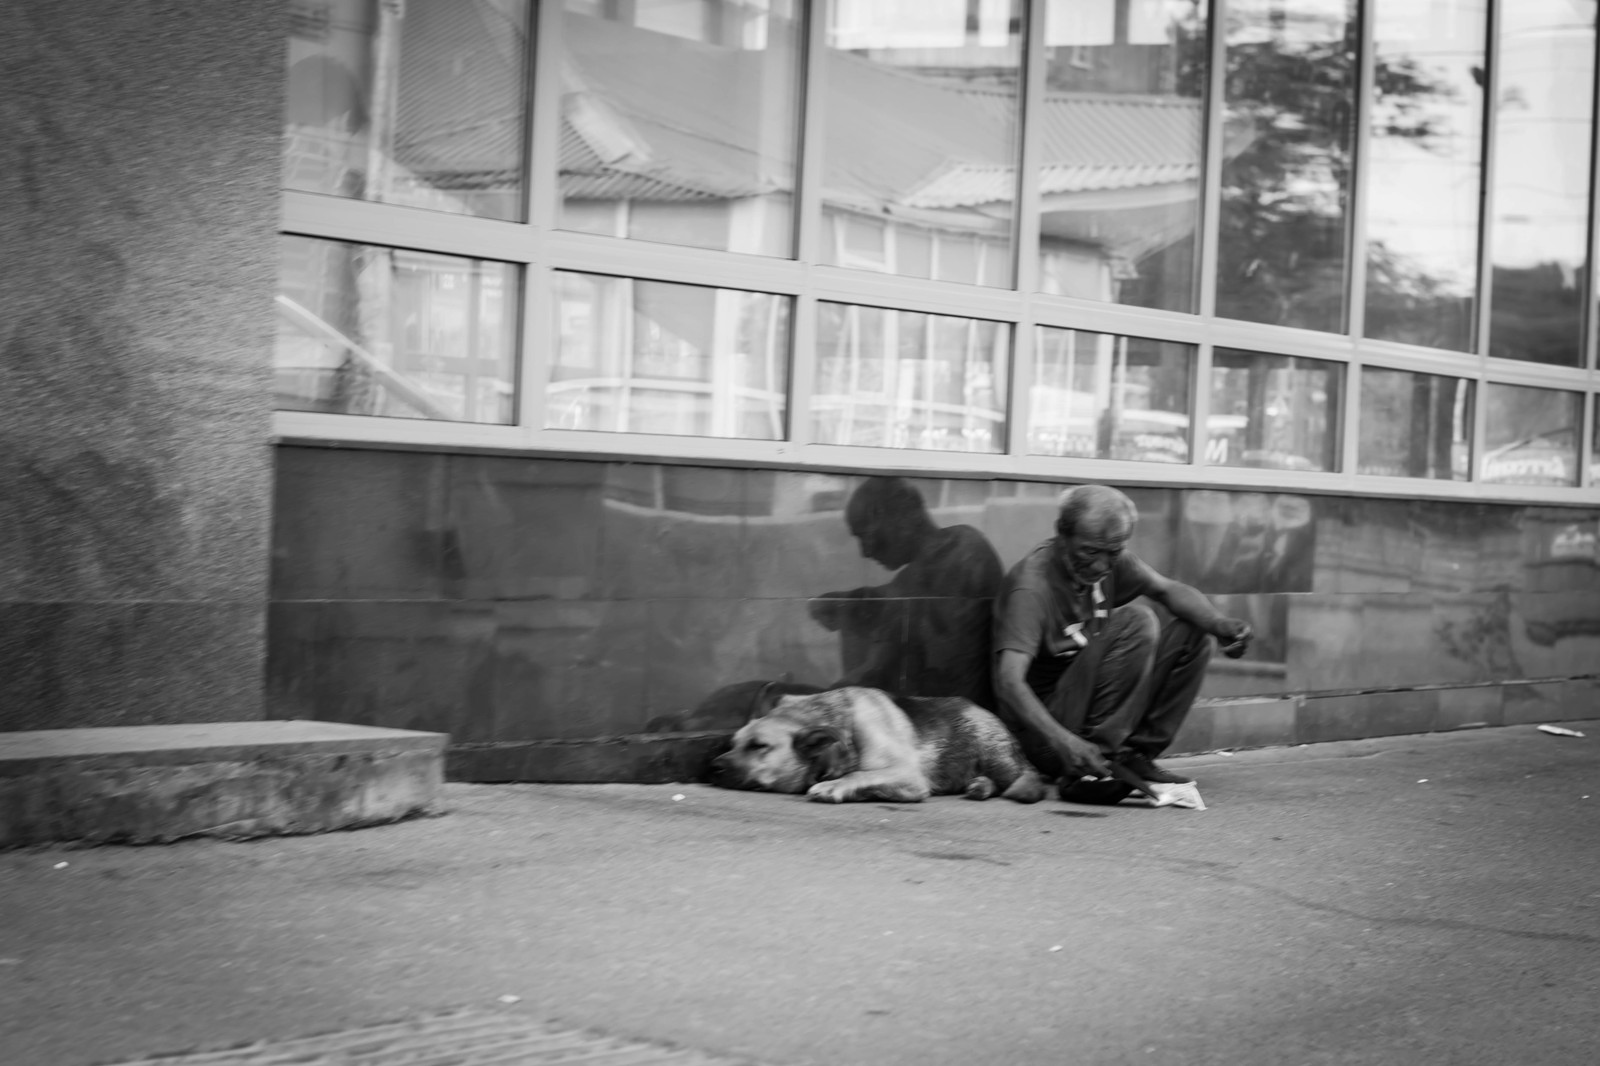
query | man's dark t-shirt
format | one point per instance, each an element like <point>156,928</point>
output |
<point>1043,614</point>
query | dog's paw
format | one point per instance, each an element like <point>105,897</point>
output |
<point>979,788</point>
<point>828,792</point>
<point>1028,788</point>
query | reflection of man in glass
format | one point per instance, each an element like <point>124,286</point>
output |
<point>925,633</point>
<point>1093,684</point>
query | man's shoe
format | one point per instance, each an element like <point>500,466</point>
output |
<point>1147,770</point>
<point>1102,792</point>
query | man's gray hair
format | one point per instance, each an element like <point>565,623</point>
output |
<point>1095,504</point>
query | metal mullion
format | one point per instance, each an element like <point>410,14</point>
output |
<point>624,257</point>
<point>318,426</point>
<point>1394,356</point>
<point>1211,189</point>
<point>539,300</point>
<point>1491,108</point>
<point>1280,340</point>
<point>1586,427</point>
<point>544,130</point>
<point>1200,405</point>
<point>1361,152</point>
<point>1350,420</point>
<point>802,369</point>
<point>539,307</point>
<point>813,128</point>
<point>395,226</point>
<point>1540,375</point>
<point>913,294</point>
<point>1024,361</point>
<point>1592,249</point>
<point>1028,208</point>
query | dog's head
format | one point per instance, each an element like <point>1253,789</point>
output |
<point>783,752</point>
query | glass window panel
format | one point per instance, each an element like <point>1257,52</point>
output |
<point>421,103</point>
<point>1425,164</point>
<point>1120,136</point>
<point>679,121</point>
<point>1274,411</point>
<point>636,356</point>
<point>921,116</point>
<point>1415,425</point>
<point>1289,121</point>
<point>900,379</point>
<point>365,330</point>
<point>1103,396</point>
<point>1530,435</point>
<point>1539,238</point>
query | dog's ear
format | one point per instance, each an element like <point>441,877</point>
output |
<point>827,753</point>
<point>766,698</point>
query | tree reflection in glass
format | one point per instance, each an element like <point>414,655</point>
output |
<point>1415,425</point>
<point>1424,164</point>
<point>1120,138</point>
<point>1274,411</point>
<point>1540,183</point>
<point>1530,435</point>
<point>1289,123</point>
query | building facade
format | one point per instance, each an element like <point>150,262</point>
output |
<point>507,368</point>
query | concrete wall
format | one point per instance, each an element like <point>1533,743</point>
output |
<point>567,619</point>
<point>138,204</point>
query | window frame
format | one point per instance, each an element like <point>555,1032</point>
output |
<point>538,249</point>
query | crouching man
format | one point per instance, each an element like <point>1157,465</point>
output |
<point>1091,683</point>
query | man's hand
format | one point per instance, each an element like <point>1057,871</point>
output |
<point>1233,636</point>
<point>1081,758</point>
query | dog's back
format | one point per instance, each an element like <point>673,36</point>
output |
<point>958,741</point>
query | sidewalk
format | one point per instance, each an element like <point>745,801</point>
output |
<point>1425,899</point>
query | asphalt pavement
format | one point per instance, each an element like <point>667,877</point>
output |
<point>1423,899</point>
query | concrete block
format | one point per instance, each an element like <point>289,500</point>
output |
<point>155,784</point>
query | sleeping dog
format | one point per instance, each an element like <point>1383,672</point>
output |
<point>862,744</point>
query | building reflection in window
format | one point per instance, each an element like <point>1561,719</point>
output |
<point>1540,181</point>
<point>1274,411</point>
<point>365,330</point>
<point>1102,396</point>
<point>1415,425</point>
<point>679,122</point>
<point>636,356</point>
<point>1531,435</point>
<point>1424,161</point>
<point>1289,122</point>
<point>902,379</point>
<point>1120,141</point>
<point>921,117</point>
<point>421,103</point>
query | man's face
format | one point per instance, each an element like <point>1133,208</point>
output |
<point>1090,551</point>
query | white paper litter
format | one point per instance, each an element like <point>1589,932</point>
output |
<point>1559,731</point>
<point>1184,795</point>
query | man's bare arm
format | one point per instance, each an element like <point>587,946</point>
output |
<point>1078,756</point>
<point>1192,605</point>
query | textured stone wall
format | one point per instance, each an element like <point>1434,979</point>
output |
<point>138,204</point>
